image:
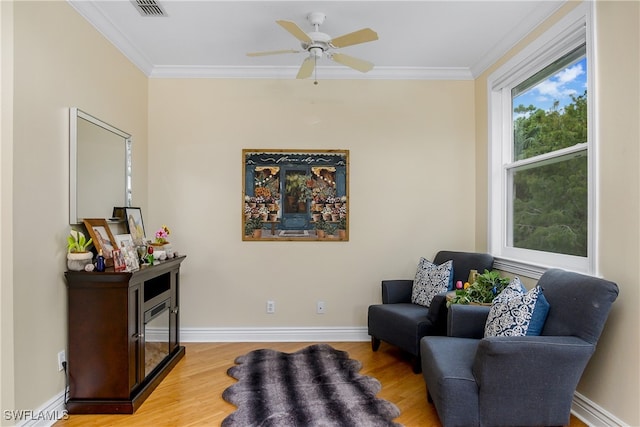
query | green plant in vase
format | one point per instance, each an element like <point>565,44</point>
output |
<point>77,242</point>
<point>78,256</point>
<point>485,288</point>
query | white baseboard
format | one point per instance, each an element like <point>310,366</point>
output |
<point>45,416</point>
<point>300,334</point>
<point>592,414</point>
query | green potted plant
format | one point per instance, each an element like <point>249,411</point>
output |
<point>330,228</point>
<point>78,257</point>
<point>342,227</point>
<point>253,227</point>
<point>482,292</point>
<point>320,225</point>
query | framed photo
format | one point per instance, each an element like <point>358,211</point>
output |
<point>135,226</point>
<point>124,243</point>
<point>118,261</point>
<point>299,195</point>
<point>100,232</point>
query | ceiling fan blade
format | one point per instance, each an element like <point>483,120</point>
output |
<point>272,52</point>
<point>306,69</point>
<point>296,31</point>
<point>350,61</point>
<point>357,37</point>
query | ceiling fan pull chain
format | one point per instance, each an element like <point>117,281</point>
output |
<point>315,70</point>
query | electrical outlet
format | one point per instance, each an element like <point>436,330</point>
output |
<point>271,307</point>
<point>320,307</point>
<point>62,357</point>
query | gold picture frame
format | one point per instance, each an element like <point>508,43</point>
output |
<point>103,240</point>
<point>295,195</point>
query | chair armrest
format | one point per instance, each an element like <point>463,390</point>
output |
<point>438,314</point>
<point>548,366</point>
<point>396,291</point>
<point>467,321</point>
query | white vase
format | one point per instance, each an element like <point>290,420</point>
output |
<point>76,261</point>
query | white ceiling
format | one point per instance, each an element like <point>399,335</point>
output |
<point>446,39</point>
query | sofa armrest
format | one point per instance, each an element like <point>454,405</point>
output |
<point>438,314</point>
<point>548,366</point>
<point>396,291</point>
<point>467,321</point>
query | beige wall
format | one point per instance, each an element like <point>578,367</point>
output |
<point>612,378</point>
<point>411,190</point>
<point>60,62</point>
<point>7,394</point>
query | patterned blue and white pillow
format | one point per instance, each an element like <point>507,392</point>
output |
<point>431,280</point>
<point>516,313</point>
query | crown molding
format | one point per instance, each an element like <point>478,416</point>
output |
<point>323,73</point>
<point>531,22</point>
<point>105,26</point>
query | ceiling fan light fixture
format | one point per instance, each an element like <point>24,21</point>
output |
<point>318,44</point>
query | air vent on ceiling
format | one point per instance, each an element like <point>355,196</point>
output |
<point>149,8</point>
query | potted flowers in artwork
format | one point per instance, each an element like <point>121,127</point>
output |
<point>342,228</point>
<point>78,257</point>
<point>253,227</point>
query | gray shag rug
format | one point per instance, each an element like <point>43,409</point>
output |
<point>315,386</point>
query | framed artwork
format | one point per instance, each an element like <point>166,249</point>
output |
<point>299,195</point>
<point>118,214</point>
<point>124,242</point>
<point>135,226</point>
<point>100,232</point>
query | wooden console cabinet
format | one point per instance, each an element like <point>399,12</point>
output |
<point>111,327</point>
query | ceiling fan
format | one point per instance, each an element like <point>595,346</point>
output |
<point>318,44</point>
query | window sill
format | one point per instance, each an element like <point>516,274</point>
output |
<point>532,271</point>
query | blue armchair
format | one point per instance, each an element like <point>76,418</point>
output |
<point>523,381</point>
<point>399,322</point>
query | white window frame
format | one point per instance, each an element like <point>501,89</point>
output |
<point>568,33</point>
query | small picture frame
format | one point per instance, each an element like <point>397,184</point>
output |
<point>118,261</point>
<point>135,226</point>
<point>100,232</point>
<point>124,243</point>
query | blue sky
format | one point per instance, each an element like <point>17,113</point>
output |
<point>570,81</point>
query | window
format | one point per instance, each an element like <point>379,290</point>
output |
<point>541,153</point>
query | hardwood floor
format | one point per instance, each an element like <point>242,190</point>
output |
<point>191,395</point>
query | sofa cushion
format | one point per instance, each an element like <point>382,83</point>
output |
<point>430,280</point>
<point>516,312</point>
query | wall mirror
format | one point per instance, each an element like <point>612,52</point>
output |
<point>99,167</point>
